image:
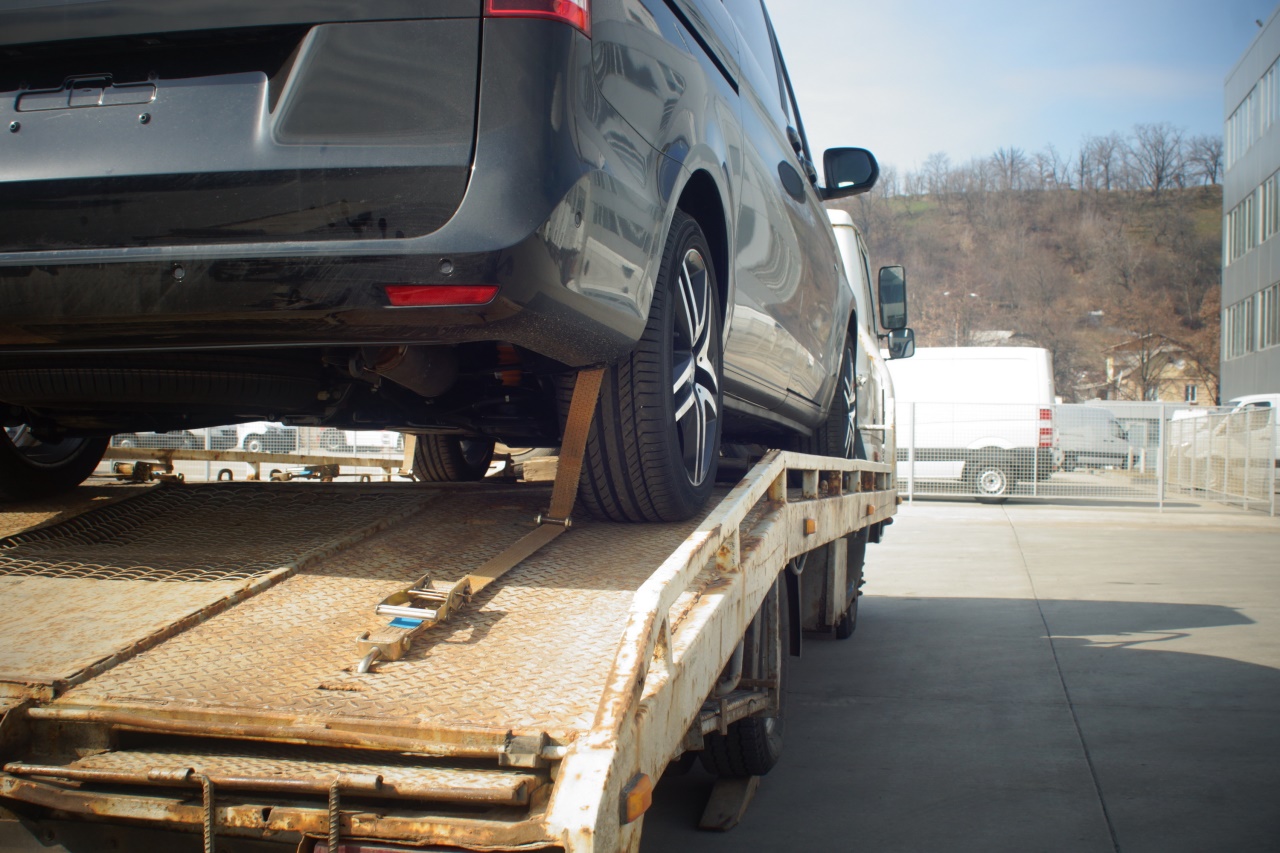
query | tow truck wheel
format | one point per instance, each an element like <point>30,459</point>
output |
<point>31,468</point>
<point>753,745</point>
<point>857,557</point>
<point>654,445</point>
<point>451,458</point>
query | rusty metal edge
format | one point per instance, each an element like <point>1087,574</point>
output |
<point>427,741</point>
<point>257,820</point>
<point>514,793</point>
<point>641,721</point>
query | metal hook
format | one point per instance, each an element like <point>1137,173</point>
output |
<point>367,661</point>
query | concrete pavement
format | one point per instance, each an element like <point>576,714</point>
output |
<point>1029,677</point>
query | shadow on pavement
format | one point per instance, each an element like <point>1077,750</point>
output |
<point>943,725</point>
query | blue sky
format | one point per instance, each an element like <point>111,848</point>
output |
<point>907,78</point>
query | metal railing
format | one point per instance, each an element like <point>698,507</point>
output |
<point>1230,457</point>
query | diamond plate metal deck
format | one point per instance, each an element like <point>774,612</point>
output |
<point>15,517</point>
<point>530,654</point>
<point>82,594</point>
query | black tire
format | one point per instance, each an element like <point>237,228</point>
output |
<point>857,558</point>
<point>333,441</point>
<point>30,468</point>
<point>255,443</point>
<point>838,434</point>
<point>654,444</point>
<point>451,458</point>
<point>753,745</point>
<point>127,440</point>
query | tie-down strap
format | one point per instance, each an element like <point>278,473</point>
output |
<point>428,603</point>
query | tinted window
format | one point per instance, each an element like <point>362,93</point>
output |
<point>755,49</point>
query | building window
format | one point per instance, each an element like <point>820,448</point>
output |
<point>1269,317</point>
<point>1259,110</point>
<point>1239,329</point>
<point>1189,394</point>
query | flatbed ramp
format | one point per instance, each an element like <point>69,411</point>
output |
<point>224,696</point>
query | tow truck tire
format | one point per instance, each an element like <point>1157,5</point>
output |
<point>451,458</point>
<point>857,557</point>
<point>654,444</point>
<point>30,468</point>
<point>753,745</point>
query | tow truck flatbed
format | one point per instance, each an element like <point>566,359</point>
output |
<point>185,659</point>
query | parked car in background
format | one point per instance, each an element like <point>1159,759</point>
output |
<point>254,437</point>
<point>422,216</point>
<point>976,418</point>
<point>1089,437</point>
<point>180,439</point>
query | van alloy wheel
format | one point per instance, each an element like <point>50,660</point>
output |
<point>695,379</point>
<point>654,445</point>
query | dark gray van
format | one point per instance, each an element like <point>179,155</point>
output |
<point>421,215</point>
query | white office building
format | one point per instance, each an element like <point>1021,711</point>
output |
<point>1251,222</point>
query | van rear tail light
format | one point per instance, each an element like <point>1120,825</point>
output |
<point>1046,436</point>
<point>1046,414</point>
<point>439,295</point>
<point>574,12</point>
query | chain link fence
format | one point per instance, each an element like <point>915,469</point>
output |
<point>1116,451</point>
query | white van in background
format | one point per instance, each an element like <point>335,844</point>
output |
<point>1089,437</point>
<point>980,418</point>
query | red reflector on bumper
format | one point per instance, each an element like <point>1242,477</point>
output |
<point>574,12</point>
<point>416,295</point>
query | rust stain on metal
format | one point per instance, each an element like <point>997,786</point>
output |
<point>85,594</point>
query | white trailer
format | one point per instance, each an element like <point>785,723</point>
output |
<point>189,665</point>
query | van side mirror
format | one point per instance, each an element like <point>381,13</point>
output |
<point>848,171</point>
<point>902,343</point>
<point>893,298</point>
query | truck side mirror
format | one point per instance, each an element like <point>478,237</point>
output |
<point>893,298</point>
<point>848,171</point>
<point>902,343</point>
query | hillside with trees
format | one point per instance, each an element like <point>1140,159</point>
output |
<point>1110,258</point>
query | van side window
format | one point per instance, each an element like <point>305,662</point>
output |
<point>756,57</point>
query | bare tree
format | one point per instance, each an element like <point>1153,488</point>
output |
<point>1010,166</point>
<point>1107,155</point>
<point>1159,155</point>
<point>937,173</point>
<point>1204,156</point>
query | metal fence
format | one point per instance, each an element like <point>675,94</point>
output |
<point>1229,457</point>
<point>1133,452</point>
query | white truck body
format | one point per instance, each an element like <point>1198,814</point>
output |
<point>960,409</point>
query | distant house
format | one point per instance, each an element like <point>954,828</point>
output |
<point>1154,368</point>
